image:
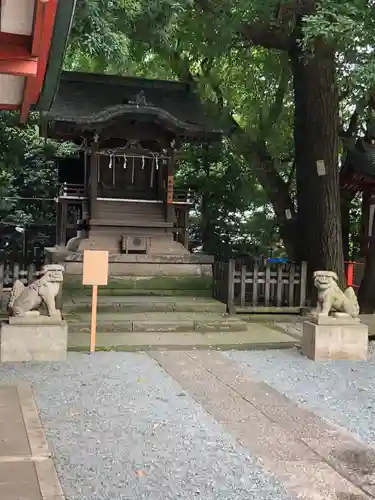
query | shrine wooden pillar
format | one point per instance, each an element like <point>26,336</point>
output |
<point>58,222</point>
<point>186,228</point>
<point>170,215</point>
<point>367,215</point>
<point>63,222</point>
<point>93,176</point>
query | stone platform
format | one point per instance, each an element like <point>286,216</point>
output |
<point>334,337</point>
<point>138,264</point>
<point>33,339</point>
<point>143,304</point>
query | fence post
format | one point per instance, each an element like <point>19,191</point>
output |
<point>16,272</point>
<point>350,273</point>
<point>255,285</point>
<point>31,270</point>
<point>1,285</point>
<point>214,280</point>
<point>243,285</point>
<point>231,268</point>
<point>279,285</point>
<point>267,284</point>
<point>291,280</point>
<point>303,284</point>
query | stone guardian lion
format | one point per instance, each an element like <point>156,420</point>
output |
<point>331,298</point>
<point>25,300</point>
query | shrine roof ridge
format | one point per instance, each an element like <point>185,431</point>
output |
<point>90,99</point>
<point>125,80</point>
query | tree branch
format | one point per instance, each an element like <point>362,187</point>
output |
<point>350,131</point>
<point>268,36</point>
<point>276,107</point>
<point>291,175</point>
<point>206,67</point>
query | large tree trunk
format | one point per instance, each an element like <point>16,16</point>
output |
<point>316,127</point>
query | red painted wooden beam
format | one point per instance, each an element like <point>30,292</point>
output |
<point>19,67</point>
<point>40,8</point>
<point>15,58</point>
<point>42,37</point>
<point>15,39</point>
<point>50,10</point>
<point>11,52</point>
<point>9,107</point>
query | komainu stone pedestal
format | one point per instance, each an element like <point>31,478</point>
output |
<point>334,337</point>
<point>39,338</point>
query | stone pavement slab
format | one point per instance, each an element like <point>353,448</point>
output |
<point>314,460</point>
<point>26,467</point>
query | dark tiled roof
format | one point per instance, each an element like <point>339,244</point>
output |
<point>89,99</point>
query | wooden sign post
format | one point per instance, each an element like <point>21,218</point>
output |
<point>95,273</point>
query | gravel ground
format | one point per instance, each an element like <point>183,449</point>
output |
<point>342,392</point>
<point>123,429</point>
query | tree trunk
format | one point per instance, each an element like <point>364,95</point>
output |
<point>316,126</point>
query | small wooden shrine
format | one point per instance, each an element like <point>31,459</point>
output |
<point>121,187</point>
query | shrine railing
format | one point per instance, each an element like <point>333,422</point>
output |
<point>182,196</point>
<point>72,191</point>
<point>256,287</point>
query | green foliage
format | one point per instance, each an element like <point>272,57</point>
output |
<point>246,86</point>
<point>231,212</point>
<point>28,181</point>
<point>162,41</point>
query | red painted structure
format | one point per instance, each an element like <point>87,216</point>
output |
<point>27,55</point>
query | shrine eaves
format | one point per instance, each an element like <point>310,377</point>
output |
<point>31,33</point>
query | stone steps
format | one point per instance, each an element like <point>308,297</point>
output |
<point>143,304</point>
<point>171,322</point>
<point>262,338</point>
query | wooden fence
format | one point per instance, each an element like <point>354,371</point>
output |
<point>271,287</point>
<point>9,273</point>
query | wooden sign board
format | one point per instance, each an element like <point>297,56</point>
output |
<point>95,267</point>
<point>95,273</point>
<point>170,189</point>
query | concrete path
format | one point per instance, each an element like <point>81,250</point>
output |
<point>312,459</point>
<point>26,468</point>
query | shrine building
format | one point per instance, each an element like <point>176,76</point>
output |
<point>129,132</point>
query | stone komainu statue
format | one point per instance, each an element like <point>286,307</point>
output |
<point>331,298</point>
<point>25,300</point>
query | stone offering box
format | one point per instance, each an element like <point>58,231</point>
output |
<point>40,338</point>
<point>334,337</point>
